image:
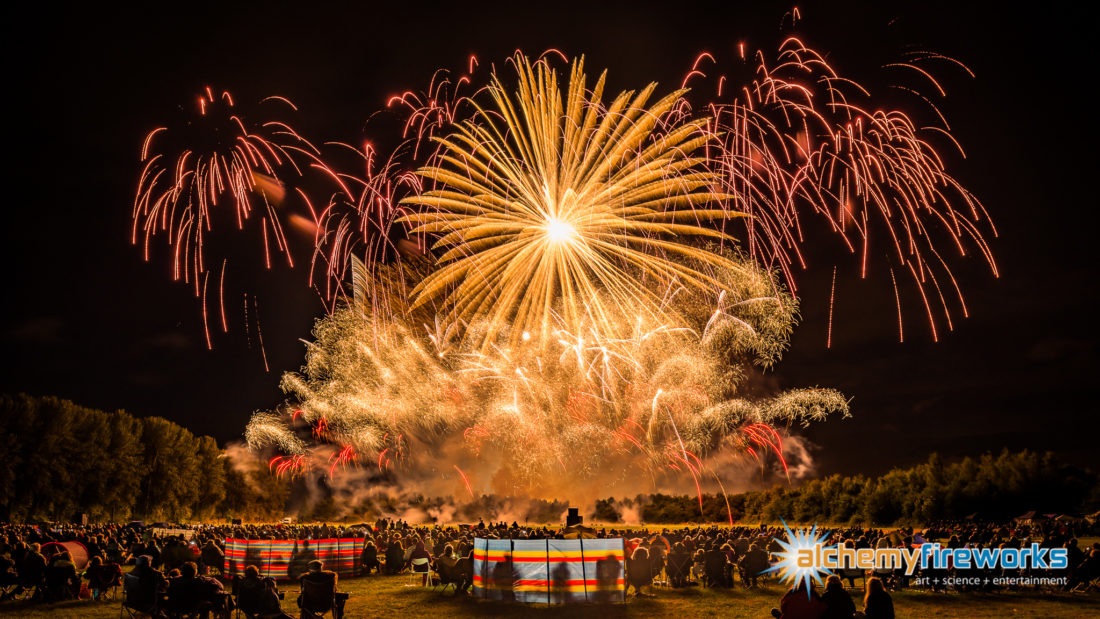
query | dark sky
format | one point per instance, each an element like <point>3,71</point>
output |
<point>86,319</point>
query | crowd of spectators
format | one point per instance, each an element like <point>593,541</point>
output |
<point>180,568</point>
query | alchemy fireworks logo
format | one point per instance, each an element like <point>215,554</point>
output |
<point>796,565</point>
<point>805,557</point>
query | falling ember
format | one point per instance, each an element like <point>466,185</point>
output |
<point>832,298</point>
<point>466,481</point>
<point>211,166</point>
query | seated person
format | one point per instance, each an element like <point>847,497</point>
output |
<point>143,586</point>
<point>8,576</point>
<point>395,557</point>
<point>699,565</point>
<point>838,604</point>
<point>212,556</point>
<point>318,591</point>
<point>754,562</point>
<point>190,592</point>
<point>368,559</point>
<point>716,564</point>
<point>31,569</point>
<point>62,581</point>
<point>420,560</point>
<point>796,604</point>
<point>102,576</point>
<point>258,597</point>
<point>877,603</point>
<point>446,564</point>
<point>679,564</point>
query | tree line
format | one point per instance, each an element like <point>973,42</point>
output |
<point>994,488</point>
<point>60,460</point>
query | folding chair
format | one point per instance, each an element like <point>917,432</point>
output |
<point>317,599</point>
<point>134,601</point>
<point>420,567</point>
<point>446,576</point>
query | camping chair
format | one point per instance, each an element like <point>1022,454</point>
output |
<point>678,568</point>
<point>31,586</point>
<point>248,600</point>
<point>886,575</point>
<point>660,579</point>
<point>851,575</point>
<point>447,577</point>
<point>420,567</point>
<point>105,582</point>
<point>318,598</point>
<point>1090,583</point>
<point>135,601</point>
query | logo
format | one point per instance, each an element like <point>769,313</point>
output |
<point>805,558</point>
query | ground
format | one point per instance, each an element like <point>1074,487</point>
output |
<point>392,596</point>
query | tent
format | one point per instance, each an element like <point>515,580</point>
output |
<point>76,549</point>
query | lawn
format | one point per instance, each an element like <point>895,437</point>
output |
<point>389,596</point>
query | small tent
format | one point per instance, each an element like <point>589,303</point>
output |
<point>76,549</point>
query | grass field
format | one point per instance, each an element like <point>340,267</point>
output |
<point>389,596</point>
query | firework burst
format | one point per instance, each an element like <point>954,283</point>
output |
<point>544,204</point>
<point>537,285</point>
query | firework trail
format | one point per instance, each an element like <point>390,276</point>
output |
<point>216,164</point>
<point>797,139</point>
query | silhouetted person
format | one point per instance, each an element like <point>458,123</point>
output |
<point>639,571</point>
<point>299,562</point>
<point>368,559</point>
<point>503,576</point>
<point>797,604</point>
<point>679,564</point>
<point>608,573</point>
<point>190,592</point>
<point>559,582</point>
<point>838,604</point>
<point>102,576</point>
<point>395,557</point>
<point>212,556</point>
<point>753,563</point>
<point>258,597</point>
<point>319,594</point>
<point>877,603</point>
<point>62,581</point>
<point>144,585</point>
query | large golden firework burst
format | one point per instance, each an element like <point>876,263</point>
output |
<point>546,212</point>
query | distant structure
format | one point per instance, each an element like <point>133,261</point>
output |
<point>573,517</point>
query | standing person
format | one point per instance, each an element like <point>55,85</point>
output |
<point>639,571</point>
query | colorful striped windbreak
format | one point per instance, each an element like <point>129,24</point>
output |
<point>550,571</point>
<point>288,559</point>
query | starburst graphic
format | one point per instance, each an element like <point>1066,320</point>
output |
<point>797,564</point>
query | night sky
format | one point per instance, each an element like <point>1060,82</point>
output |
<point>87,319</point>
